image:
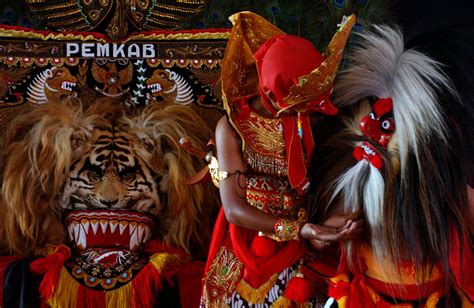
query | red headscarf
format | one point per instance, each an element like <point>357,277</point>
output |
<point>281,60</point>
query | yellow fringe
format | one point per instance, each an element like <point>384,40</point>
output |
<point>163,260</point>
<point>65,293</point>
<point>120,297</point>
<point>466,303</point>
<point>256,296</point>
<point>283,302</point>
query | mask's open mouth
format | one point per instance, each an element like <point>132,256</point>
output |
<point>109,229</point>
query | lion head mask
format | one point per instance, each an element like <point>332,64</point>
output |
<point>63,157</point>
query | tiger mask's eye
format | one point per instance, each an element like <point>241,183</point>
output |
<point>94,175</point>
<point>128,174</point>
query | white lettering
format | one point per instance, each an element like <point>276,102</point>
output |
<point>87,50</point>
<point>148,51</point>
<point>111,50</point>
<point>133,51</point>
<point>118,49</point>
<point>71,48</point>
<point>103,50</point>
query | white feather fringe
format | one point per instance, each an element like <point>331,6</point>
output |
<point>381,67</point>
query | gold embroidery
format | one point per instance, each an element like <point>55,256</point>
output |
<point>172,36</point>
<point>222,277</point>
<point>256,296</point>
<point>283,302</point>
<point>264,146</point>
<point>272,195</point>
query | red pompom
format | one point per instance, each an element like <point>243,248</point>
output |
<point>358,153</point>
<point>299,289</point>
<point>51,267</point>
<point>263,247</point>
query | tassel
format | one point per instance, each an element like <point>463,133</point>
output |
<point>65,293</point>
<point>149,281</point>
<point>87,298</point>
<point>262,246</point>
<point>299,289</point>
<point>145,286</point>
<point>121,297</point>
<point>50,266</point>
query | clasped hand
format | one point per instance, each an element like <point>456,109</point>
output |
<point>335,228</point>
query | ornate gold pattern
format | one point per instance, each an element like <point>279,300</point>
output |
<point>88,15</point>
<point>264,146</point>
<point>288,229</point>
<point>272,195</point>
<point>221,279</point>
<point>315,84</point>
<point>158,35</point>
<point>182,49</point>
<point>239,73</point>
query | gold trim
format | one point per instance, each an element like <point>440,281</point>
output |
<point>221,278</point>
<point>256,296</point>
<point>165,15</point>
<point>89,36</point>
<point>160,21</point>
<point>183,36</point>
<point>178,9</point>
<point>61,15</point>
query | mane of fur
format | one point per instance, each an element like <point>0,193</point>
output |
<point>41,146</point>
<point>381,67</point>
<point>423,193</point>
<point>190,209</point>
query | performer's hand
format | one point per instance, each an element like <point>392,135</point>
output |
<point>339,221</point>
<point>322,236</point>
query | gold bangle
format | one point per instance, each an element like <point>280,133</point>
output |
<point>286,229</point>
<point>217,174</point>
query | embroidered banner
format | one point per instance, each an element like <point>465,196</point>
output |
<point>146,67</point>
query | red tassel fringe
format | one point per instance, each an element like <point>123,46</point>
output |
<point>90,298</point>
<point>50,266</point>
<point>144,285</point>
<point>299,290</point>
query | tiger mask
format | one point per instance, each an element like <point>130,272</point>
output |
<point>61,156</point>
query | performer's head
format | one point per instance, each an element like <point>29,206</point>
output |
<point>280,61</point>
<point>288,71</point>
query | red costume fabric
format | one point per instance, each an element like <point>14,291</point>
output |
<point>245,267</point>
<point>367,284</point>
<point>255,264</point>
